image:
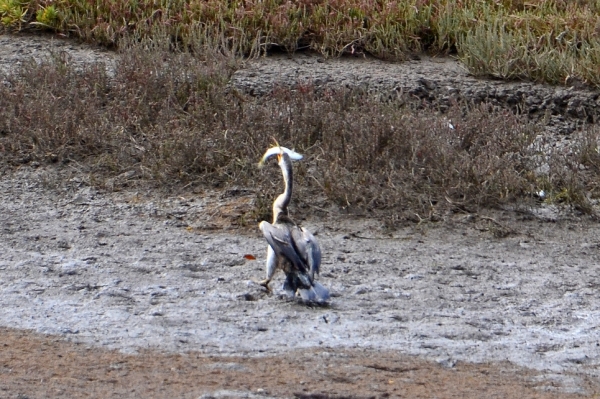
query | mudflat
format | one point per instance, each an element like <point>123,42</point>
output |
<point>144,294</point>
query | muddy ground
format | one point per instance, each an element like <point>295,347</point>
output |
<point>140,294</point>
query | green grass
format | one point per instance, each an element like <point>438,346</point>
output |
<point>554,41</point>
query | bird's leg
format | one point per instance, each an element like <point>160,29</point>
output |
<point>264,283</point>
<point>271,267</point>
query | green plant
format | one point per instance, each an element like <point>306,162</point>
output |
<point>47,17</point>
<point>12,13</point>
<point>550,41</point>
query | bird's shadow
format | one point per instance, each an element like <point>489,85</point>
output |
<point>301,302</point>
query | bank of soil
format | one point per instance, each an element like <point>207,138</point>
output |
<point>438,81</point>
<point>141,294</point>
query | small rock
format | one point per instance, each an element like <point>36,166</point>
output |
<point>63,244</point>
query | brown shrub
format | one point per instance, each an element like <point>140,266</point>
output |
<point>170,117</point>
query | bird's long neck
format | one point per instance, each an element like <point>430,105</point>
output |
<point>283,200</point>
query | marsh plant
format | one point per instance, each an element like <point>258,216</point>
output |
<point>167,117</point>
<point>552,41</point>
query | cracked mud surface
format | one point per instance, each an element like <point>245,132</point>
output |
<point>134,294</point>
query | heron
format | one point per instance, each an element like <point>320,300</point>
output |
<point>292,248</point>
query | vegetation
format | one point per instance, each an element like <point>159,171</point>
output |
<point>167,117</point>
<point>556,41</point>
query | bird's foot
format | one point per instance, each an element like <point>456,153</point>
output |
<point>264,283</point>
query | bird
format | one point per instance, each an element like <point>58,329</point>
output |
<point>292,248</point>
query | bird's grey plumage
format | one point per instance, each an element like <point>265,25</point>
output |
<point>292,248</point>
<point>308,248</point>
<point>283,238</point>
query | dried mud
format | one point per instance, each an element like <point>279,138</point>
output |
<point>138,294</point>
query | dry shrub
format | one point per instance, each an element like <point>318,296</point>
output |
<point>374,156</point>
<point>568,170</point>
<point>171,119</point>
<point>147,114</point>
<point>50,112</point>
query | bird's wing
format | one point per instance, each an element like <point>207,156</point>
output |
<point>280,239</point>
<point>308,248</point>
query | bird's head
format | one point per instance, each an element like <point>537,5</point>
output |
<point>279,151</point>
